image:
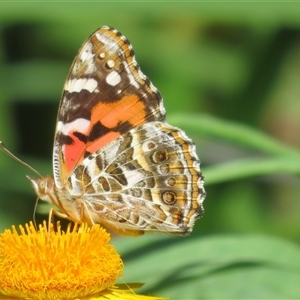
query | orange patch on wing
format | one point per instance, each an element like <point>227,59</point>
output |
<point>129,108</point>
<point>73,153</point>
<point>102,141</point>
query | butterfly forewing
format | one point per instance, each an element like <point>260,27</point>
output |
<point>105,95</point>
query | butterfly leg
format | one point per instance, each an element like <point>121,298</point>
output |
<point>53,212</point>
<point>85,215</point>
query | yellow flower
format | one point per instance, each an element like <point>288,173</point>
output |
<point>53,264</point>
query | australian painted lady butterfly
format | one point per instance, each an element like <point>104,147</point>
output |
<point>115,159</point>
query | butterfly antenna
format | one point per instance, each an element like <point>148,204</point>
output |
<point>6,151</point>
<point>34,213</point>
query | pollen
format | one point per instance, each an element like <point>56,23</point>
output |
<point>57,264</point>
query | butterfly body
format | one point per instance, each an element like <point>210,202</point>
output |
<point>115,159</point>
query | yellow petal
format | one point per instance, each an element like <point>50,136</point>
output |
<point>57,265</point>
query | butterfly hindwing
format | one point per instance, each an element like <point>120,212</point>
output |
<point>147,179</point>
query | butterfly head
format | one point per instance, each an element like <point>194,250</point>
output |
<point>44,187</point>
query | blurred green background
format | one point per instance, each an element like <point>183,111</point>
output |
<point>229,74</point>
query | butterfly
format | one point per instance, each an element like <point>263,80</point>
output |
<point>115,159</point>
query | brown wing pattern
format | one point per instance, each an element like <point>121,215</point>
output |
<point>105,96</point>
<point>148,179</point>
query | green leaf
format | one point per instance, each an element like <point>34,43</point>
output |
<point>251,167</point>
<point>230,131</point>
<point>218,267</point>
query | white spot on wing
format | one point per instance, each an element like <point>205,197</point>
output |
<point>110,63</point>
<point>153,88</point>
<point>141,74</point>
<point>78,84</point>
<point>108,42</point>
<point>132,80</point>
<point>86,52</point>
<point>113,78</point>
<point>80,125</point>
<point>133,176</point>
<point>90,69</point>
<point>91,85</point>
